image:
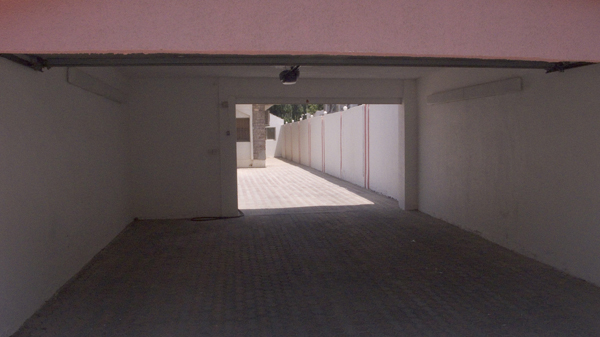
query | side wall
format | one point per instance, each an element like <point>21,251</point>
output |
<point>64,195</point>
<point>175,148</point>
<point>520,169</point>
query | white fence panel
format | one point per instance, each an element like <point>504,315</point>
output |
<point>360,145</point>
<point>304,143</point>
<point>288,141</point>
<point>316,144</point>
<point>295,128</point>
<point>332,144</point>
<point>283,136</point>
<point>383,149</point>
<point>353,145</point>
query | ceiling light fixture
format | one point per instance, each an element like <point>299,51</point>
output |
<point>290,76</point>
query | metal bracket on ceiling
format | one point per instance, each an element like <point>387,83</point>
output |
<point>31,61</point>
<point>562,66</point>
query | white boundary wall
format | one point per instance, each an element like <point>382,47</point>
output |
<point>383,149</point>
<point>303,133</point>
<point>332,144</point>
<point>342,145</point>
<point>274,147</point>
<point>316,143</point>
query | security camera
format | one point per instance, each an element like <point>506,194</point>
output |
<point>289,76</point>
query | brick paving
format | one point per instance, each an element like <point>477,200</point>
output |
<point>284,187</point>
<point>365,269</point>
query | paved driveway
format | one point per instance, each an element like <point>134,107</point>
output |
<point>341,262</point>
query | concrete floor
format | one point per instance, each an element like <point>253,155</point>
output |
<point>347,262</point>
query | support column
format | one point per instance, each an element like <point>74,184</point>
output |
<point>408,136</point>
<point>227,154</point>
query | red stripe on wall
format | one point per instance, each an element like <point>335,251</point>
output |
<point>323,142</point>
<point>309,145</point>
<point>341,144</point>
<point>368,146</point>
<point>299,145</point>
<point>365,144</point>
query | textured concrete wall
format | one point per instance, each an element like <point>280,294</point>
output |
<point>521,169</point>
<point>65,192</point>
<point>550,30</point>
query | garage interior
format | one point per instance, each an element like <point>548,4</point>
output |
<point>137,139</point>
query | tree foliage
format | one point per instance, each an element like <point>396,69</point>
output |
<point>293,112</point>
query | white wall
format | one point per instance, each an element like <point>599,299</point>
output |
<point>275,147</point>
<point>243,154</point>
<point>383,147</point>
<point>522,168</point>
<point>353,145</point>
<point>176,148</point>
<point>332,141</point>
<point>296,150</point>
<point>286,136</point>
<point>303,131</point>
<point>243,110</point>
<point>65,194</point>
<point>360,145</point>
<point>316,143</point>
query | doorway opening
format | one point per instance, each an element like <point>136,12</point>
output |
<point>318,156</point>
